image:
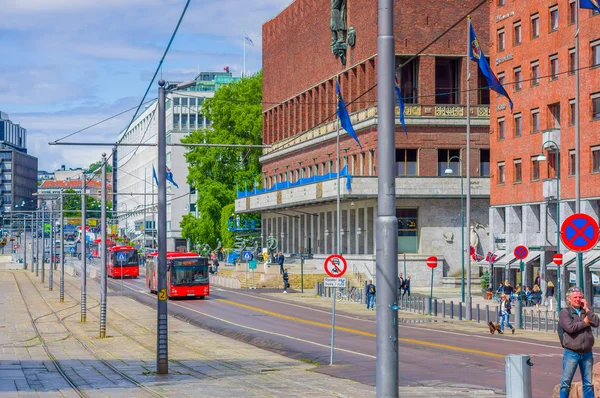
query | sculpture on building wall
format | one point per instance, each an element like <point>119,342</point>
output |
<point>339,26</point>
<point>271,247</point>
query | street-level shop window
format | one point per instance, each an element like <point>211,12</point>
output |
<point>596,159</point>
<point>535,168</point>
<point>408,230</point>
<point>484,162</point>
<point>501,128</point>
<point>535,120</point>
<point>449,158</point>
<point>571,162</point>
<point>406,162</point>
<point>595,53</point>
<point>518,171</point>
<point>501,173</point>
<point>595,106</point>
<point>553,18</point>
<point>535,26</point>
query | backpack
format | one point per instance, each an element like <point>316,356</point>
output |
<point>560,330</point>
<point>371,289</point>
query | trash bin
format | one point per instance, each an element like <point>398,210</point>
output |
<point>517,371</point>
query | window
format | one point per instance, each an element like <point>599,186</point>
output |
<point>484,162</point>
<point>554,115</point>
<point>518,126</point>
<point>535,120</point>
<point>572,162</point>
<point>501,176</point>
<point>409,79</point>
<point>595,106</point>
<point>444,162</point>
<point>406,162</point>
<point>535,168</point>
<point>572,61</point>
<point>535,73</point>
<point>501,3</point>
<point>572,11</point>
<point>193,120</point>
<point>192,101</point>
<point>184,101</point>
<point>535,26</point>
<point>501,128</point>
<point>595,53</point>
<point>500,80</point>
<point>175,101</point>
<point>500,39</point>
<point>571,111</point>
<point>554,67</point>
<point>408,230</point>
<point>517,36</point>
<point>447,80</point>
<point>596,159</point>
<point>184,120</point>
<point>176,120</point>
<point>518,177</point>
<point>484,91</point>
<point>551,163</point>
<point>553,18</point>
<point>518,79</point>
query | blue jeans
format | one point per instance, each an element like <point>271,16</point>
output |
<point>505,318</point>
<point>571,360</point>
<point>370,300</point>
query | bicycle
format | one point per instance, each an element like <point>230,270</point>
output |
<point>343,294</point>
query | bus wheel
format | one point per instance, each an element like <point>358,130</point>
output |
<point>201,297</point>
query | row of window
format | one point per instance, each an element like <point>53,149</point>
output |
<point>534,25</point>
<point>187,101</point>
<point>534,169</point>
<point>552,117</point>
<point>190,121</point>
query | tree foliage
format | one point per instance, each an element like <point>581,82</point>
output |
<point>72,205</point>
<point>236,115</point>
<point>96,165</point>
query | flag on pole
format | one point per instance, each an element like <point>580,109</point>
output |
<point>154,175</point>
<point>248,40</point>
<point>342,113</point>
<point>590,4</point>
<point>170,178</point>
<point>476,54</point>
<point>400,104</point>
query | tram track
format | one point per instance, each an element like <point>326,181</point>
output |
<point>78,389</point>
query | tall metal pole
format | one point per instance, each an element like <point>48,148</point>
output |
<point>37,242</point>
<point>103,259</point>
<point>25,242</point>
<point>387,223</point>
<point>462,225</point>
<point>580,269</point>
<point>43,245</point>
<point>144,223</point>
<point>83,252</point>
<point>162,353</point>
<point>558,224</point>
<point>52,245</point>
<point>62,250</point>
<point>467,230</point>
<point>338,247</point>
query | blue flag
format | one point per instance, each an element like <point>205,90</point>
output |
<point>591,4</point>
<point>400,104</point>
<point>170,178</point>
<point>342,113</point>
<point>476,54</point>
<point>154,175</point>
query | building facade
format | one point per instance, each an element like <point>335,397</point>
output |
<point>135,165</point>
<point>533,53</point>
<point>299,207</point>
<point>12,135</point>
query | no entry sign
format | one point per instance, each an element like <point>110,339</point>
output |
<point>432,262</point>
<point>521,252</point>
<point>335,265</point>
<point>579,232</point>
<point>558,259</point>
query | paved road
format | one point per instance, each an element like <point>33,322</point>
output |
<point>429,355</point>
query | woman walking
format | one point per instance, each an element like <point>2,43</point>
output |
<point>536,296</point>
<point>505,314</point>
<point>549,296</point>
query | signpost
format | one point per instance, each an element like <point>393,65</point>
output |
<point>579,233</point>
<point>334,282</point>
<point>335,266</point>
<point>252,266</point>
<point>431,263</point>
<point>121,258</point>
<point>521,252</point>
<point>558,260</point>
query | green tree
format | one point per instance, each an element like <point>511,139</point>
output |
<point>96,165</point>
<point>72,205</point>
<point>236,115</point>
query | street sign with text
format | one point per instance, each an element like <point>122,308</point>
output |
<point>334,282</point>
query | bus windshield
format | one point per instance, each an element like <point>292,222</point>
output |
<point>125,258</point>
<point>193,271</point>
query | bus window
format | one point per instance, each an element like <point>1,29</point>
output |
<point>131,257</point>
<point>193,271</point>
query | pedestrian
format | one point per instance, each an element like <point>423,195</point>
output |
<point>537,280</point>
<point>213,256</point>
<point>371,291</point>
<point>505,308</point>
<point>286,280</point>
<point>406,286</point>
<point>575,333</point>
<point>549,296</point>
<point>507,289</point>
<point>280,259</point>
<point>536,296</point>
<point>400,284</point>
<point>216,265</point>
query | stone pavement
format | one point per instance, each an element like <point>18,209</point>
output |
<point>202,364</point>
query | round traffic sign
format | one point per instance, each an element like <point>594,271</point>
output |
<point>432,262</point>
<point>579,232</point>
<point>335,265</point>
<point>558,259</point>
<point>521,252</point>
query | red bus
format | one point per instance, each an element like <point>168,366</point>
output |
<point>187,275</point>
<point>122,262</point>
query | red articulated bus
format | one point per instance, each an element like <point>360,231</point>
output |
<point>123,262</point>
<point>187,275</point>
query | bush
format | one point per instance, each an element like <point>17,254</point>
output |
<point>485,280</point>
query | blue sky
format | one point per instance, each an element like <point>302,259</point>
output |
<point>66,64</point>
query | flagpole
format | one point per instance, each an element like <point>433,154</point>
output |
<point>244,72</point>
<point>467,230</point>
<point>144,223</point>
<point>153,212</point>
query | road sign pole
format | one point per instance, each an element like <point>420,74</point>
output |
<point>332,325</point>
<point>52,245</point>
<point>431,292</point>
<point>62,250</point>
<point>103,257</point>
<point>43,244</point>
<point>521,267</point>
<point>301,274</point>
<point>558,301</point>
<point>83,252</point>
<point>162,337</point>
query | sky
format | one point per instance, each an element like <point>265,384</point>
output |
<point>67,64</point>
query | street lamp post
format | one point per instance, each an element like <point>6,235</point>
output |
<point>542,158</point>
<point>449,171</point>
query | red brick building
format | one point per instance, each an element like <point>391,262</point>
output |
<point>299,71</point>
<point>532,51</point>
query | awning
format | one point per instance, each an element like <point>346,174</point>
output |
<point>499,255</point>
<point>591,259</point>
<point>531,257</point>
<point>505,260</point>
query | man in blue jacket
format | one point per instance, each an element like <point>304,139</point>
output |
<point>280,258</point>
<point>371,291</point>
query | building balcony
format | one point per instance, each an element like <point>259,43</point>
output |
<point>361,188</point>
<point>549,188</point>
<point>552,134</point>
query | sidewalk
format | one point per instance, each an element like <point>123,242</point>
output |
<point>202,364</point>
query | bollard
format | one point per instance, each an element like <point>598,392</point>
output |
<point>443,308</point>
<point>427,310</point>
<point>435,305</point>
<point>451,309</point>
<point>553,321</point>
<point>497,312</point>
<point>518,320</point>
<point>487,314</point>
<point>539,320</point>
<point>596,332</point>
<point>532,319</point>
<point>477,316</point>
<point>517,371</point>
<point>317,288</point>
<point>546,320</point>
<point>460,307</point>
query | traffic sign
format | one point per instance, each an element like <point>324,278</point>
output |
<point>72,249</point>
<point>432,262</point>
<point>252,264</point>
<point>558,259</point>
<point>121,257</point>
<point>335,265</point>
<point>579,232</point>
<point>334,282</point>
<point>521,252</point>
<point>247,255</point>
